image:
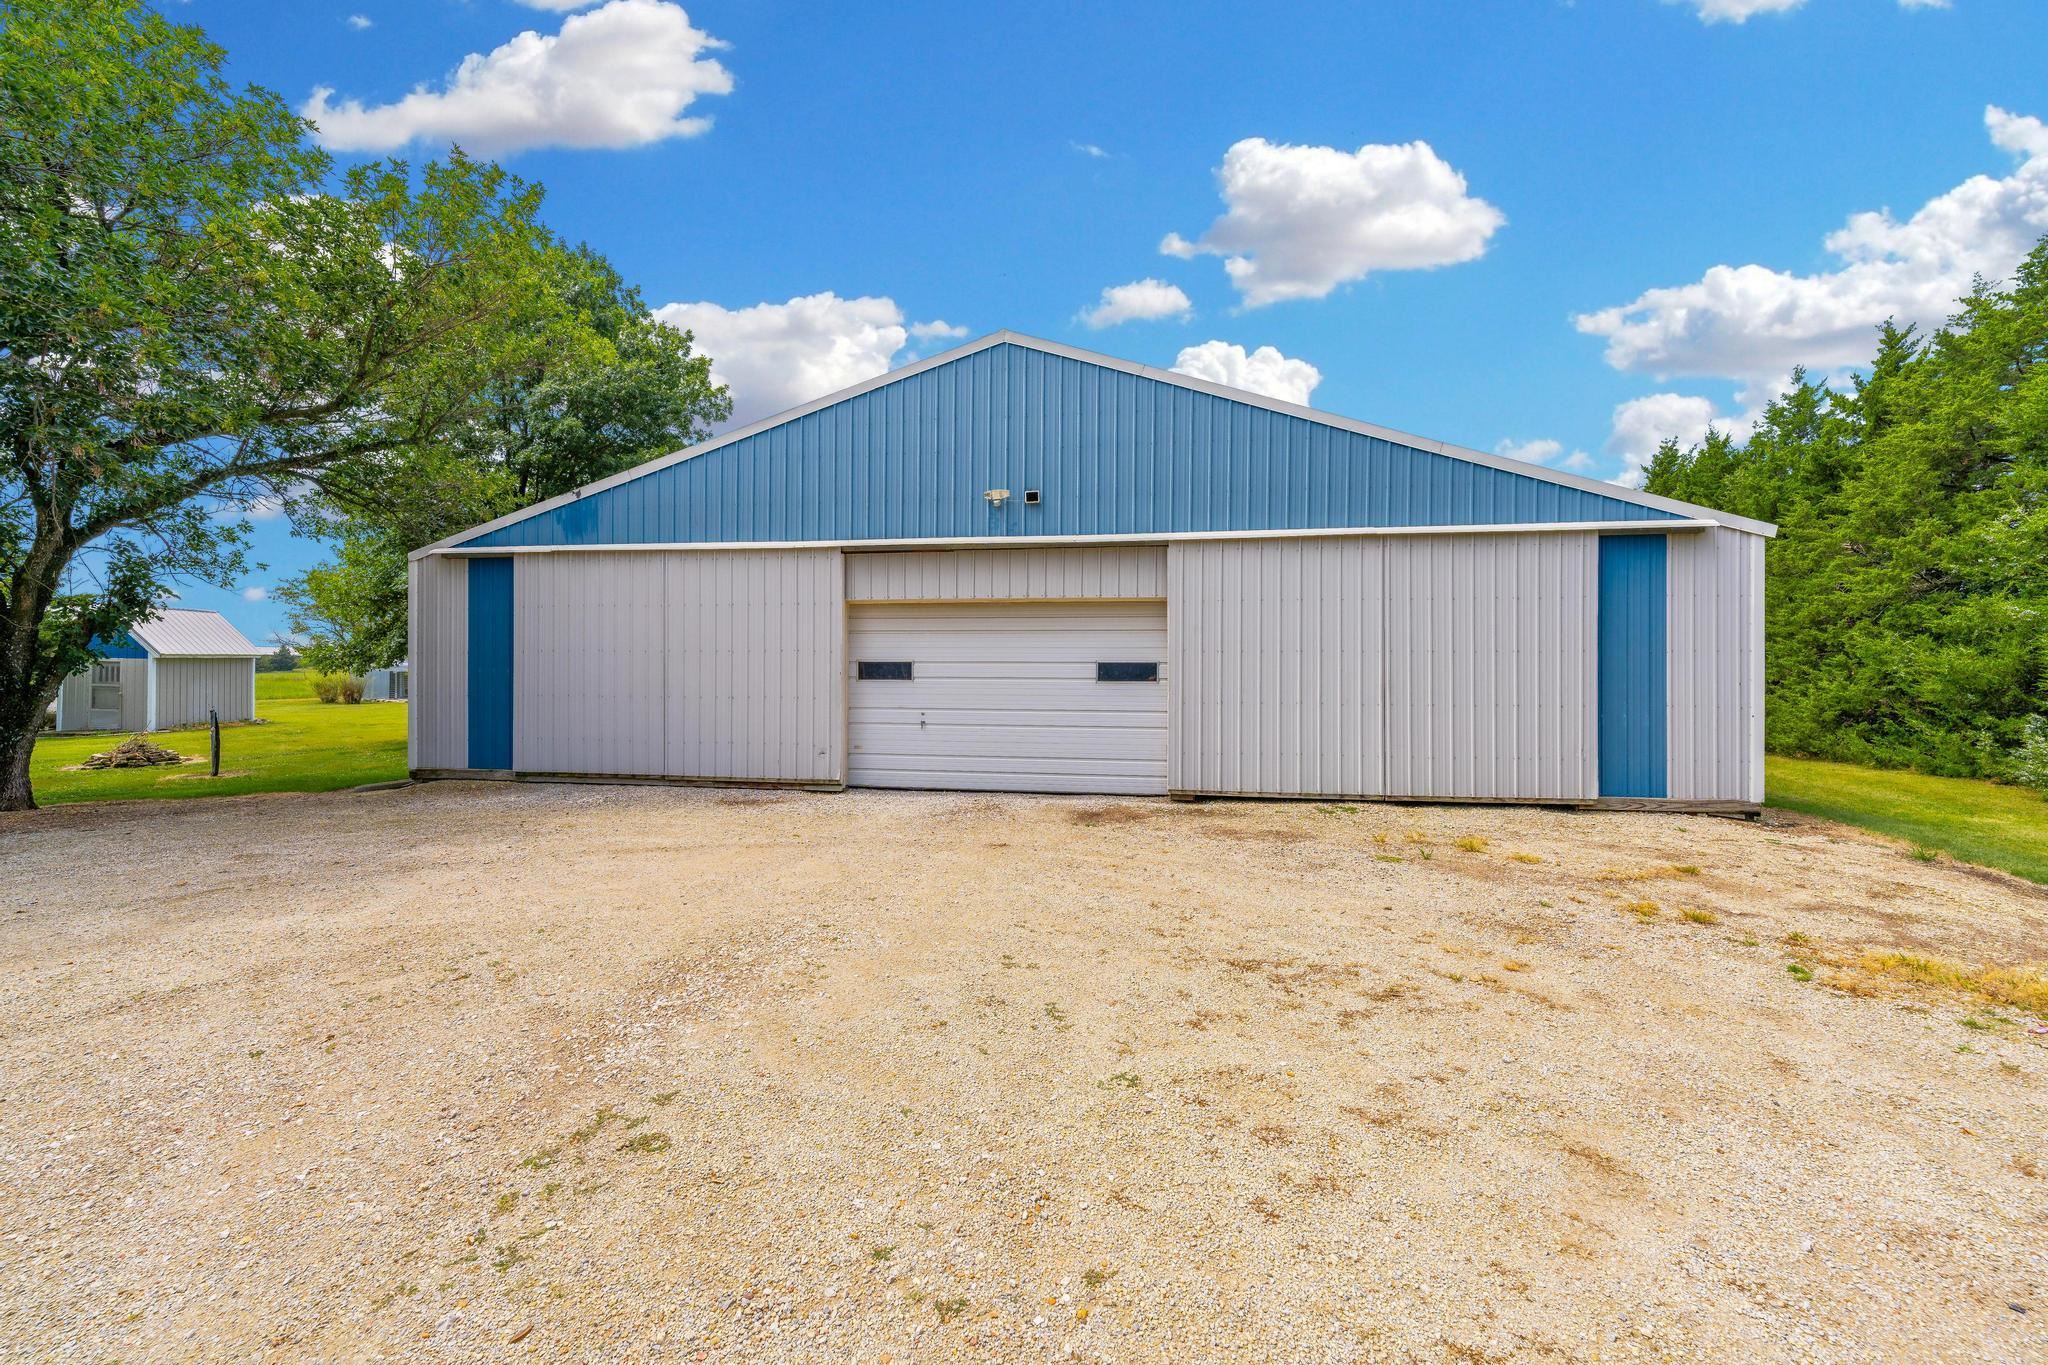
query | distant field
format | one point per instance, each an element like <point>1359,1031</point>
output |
<point>1978,822</point>
<point>306,746</point>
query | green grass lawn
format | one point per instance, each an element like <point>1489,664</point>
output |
<point>305,746</point>
<point>1976,822</point>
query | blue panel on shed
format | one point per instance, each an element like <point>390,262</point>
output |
<point>1113,453</point>
<point>1633,704</point>
<point>490,663</point>
<point>123,647</point>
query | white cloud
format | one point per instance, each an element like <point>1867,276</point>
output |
<point>1643,424</point>
<point>255,594</point>
<point>777,355</point>
<point>1545,451</point>
<point>559,6</point>
<point>1264,371</point>
<point>1923,4</point>
<point>1139,301</point>
<point>1737,11</point>
<point>1089,149</point>
<point>1750,322</point>
<point>1300,221</point>
<point>938,329</point>
<point>619,76</point>
<point>359,22</point>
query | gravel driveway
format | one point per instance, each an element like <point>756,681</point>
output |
<point>487,1071</point>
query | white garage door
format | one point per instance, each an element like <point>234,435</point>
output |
<point>1008,696</point>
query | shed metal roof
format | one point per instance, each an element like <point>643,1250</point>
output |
<point>1121,449</point>
<point>180,632</point>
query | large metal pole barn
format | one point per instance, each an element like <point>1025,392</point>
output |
<point>1018,566</point>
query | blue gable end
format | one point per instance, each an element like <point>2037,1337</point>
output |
<point>1113,453</point>
<point>122,646</point>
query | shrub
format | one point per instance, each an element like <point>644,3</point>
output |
<point>327,689</point>
<point>338,687</point>
<point>351,689</point>
<point>2029,765</point>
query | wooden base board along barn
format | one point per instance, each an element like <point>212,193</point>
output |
<point>1018,566</point>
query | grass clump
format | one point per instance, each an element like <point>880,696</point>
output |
<point>948,1309</point>
<point>1692,914</point>
<point>1524,858</point>
<point>647,1144</point>
<point>1642,910</point>
<point>1472,843</point>
<point>1800,971</point>
<point>2023,987</point>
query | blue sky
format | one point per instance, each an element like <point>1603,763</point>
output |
<point>1560,229</point>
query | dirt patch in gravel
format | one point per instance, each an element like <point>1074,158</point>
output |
<point>661,1073</point>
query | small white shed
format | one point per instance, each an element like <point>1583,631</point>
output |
<point>388,684</point>
<point>170,670</point>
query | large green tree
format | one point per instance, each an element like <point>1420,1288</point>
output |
<point>1906,612</point>
<point>589,385</point>
<point>197,313</point>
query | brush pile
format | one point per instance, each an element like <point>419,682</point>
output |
<point>134,752</point>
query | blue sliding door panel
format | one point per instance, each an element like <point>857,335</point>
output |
<point>1633,708</point>
<point>490,662</point>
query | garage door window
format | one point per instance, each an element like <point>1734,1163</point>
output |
<point>884,671</point>
<point>1127,672</point>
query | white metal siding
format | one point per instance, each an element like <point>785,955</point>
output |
<point>186,689</point>
<point>74,698</point>
<point>1127,571</point>
<point>437,721</point>
<point>1491,658</point>
<point>703,665</point>
<point>1716,673</point>
<point>1004,698</point>
<point>1426,666</point>
<point>1278,686</point>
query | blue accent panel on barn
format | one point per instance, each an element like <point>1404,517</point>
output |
<point>490,663</point>
<point>123,646</point>
<point>1113,453</point>
<point>1634,710</point>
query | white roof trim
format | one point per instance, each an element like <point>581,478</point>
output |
<point>1072,542</point>
<point>1479,457</point>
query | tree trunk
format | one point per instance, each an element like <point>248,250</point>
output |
<point>21,718</point>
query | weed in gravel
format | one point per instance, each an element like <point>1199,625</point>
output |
<point>506,1258</point>
<point>1524,858</point>
<point>1473,843</point>
<point>1336,810</point>
<point>1379,836</point>
<point>1058,1017</point>
<point>948,1309</point>
<point>1925,854</point>
<point>1692,914</point>
<point>1129,1080</point>
<point>1426,853</point>
<point>1795,939</point>
<point>1389,857</point>
<point>401,1291</point>
<point>1514,964</point>
<point>647,1144</point>
<point>507,1202</point>
<point>1971,1021</point>
<point>1642,910</point>
<point>1749,942</point>
<point>604,1115</point>
<point>1800,971</point>
<point>881,1253</point>
<point>255,1052</point>
<point>542,1159</point>
<point>1684,870</point>
<point>667,1097</point>
<point>1097,1276</point>
<point>551,1189</point>
<point>2023,987</point>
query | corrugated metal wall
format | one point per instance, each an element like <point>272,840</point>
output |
<point>703,665</point>
<point>187,688</point>
<point>1716,587</point>
<point>1126,571</point>
<point>1278,686</point>
<point>1489,658</point>
<point>1113,453</point>
<point>1446,666</point>
<point>74,699</point>
<point>437,721</point>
